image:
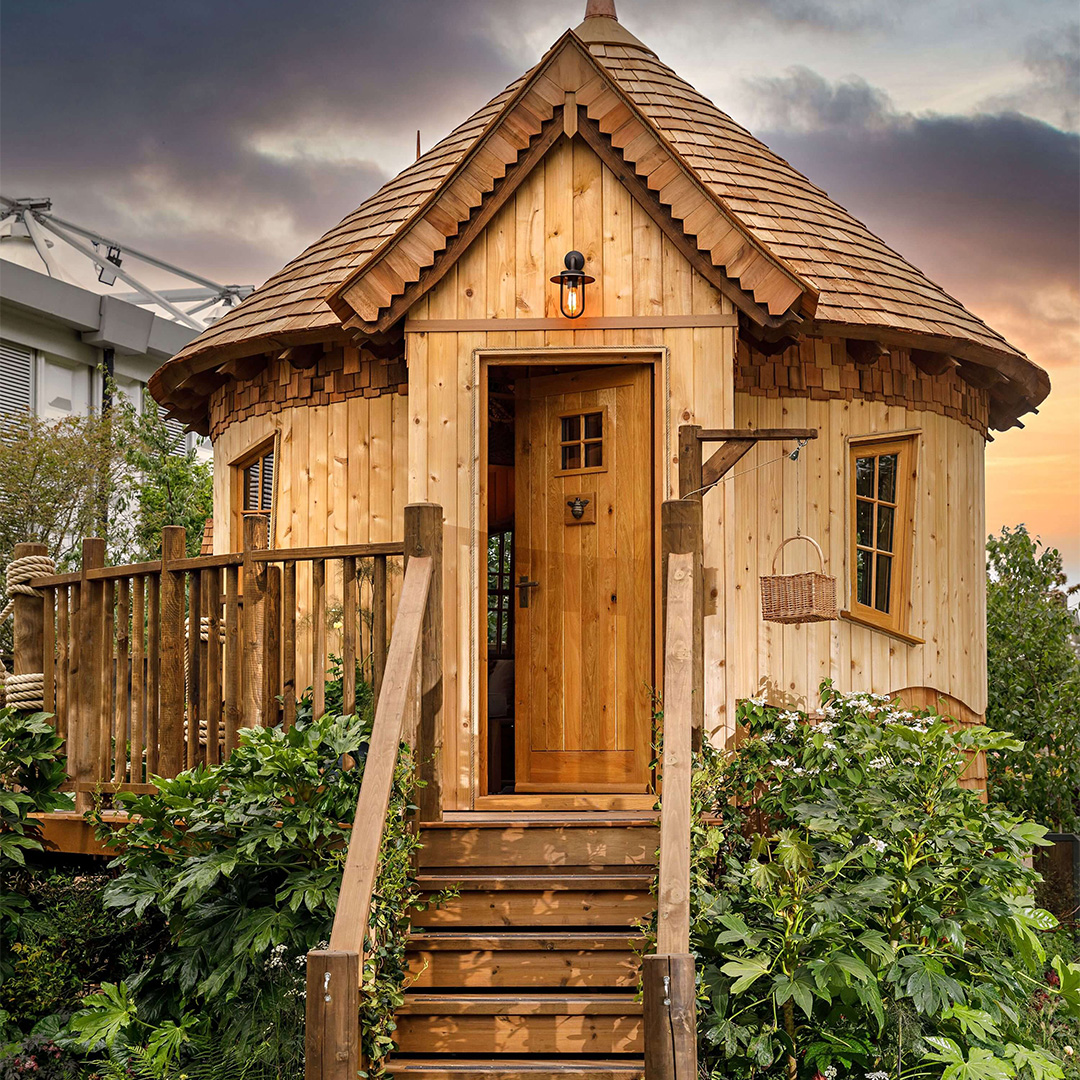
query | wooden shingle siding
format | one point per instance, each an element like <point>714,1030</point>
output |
<point>826,373</point>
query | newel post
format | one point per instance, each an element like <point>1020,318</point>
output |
<point>681,533</point>
<point>424,537</point>
<point>332,1016</point>
<point>29,639</point>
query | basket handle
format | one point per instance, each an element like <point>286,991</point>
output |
<point>809,540</point>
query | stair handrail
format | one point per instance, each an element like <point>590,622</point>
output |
<point>332,1042</point>
<point>668,974</point>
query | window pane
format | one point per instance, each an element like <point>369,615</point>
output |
<point>885,515</point>
<point>864,477</point>
<point>594,425</point>
<point>887,477</point>
<point>594,455</point>
<point>251,487</point>
<point>864,522</point>
<point>267,482</point>
<point>571,456</point>
<point>883,587</point>
<point>862,577</point>
<point>571,428</point>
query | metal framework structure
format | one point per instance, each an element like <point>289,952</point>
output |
<point>35,217</point>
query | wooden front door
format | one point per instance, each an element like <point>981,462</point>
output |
<point>584,640</point>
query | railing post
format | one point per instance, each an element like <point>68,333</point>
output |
<point>256,537</point>
<point>332,1016</point>
<point>91,651</point>
<point>670,1019</point>
<point>682,533</point>
<point>171,650</point>
<point>424,537</point>
<point>29,639</point>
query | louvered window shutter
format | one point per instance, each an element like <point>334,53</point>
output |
<point>177,435</point>
<point>16,378</point>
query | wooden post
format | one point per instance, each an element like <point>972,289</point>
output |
<point>288,646</point>
<point>170,654</point>
<point>91,681</point>
<point>690,456</point>
<point>332,1020</point>
<point>380,601</point>
<point>252,705</point>
<point>272,647</point>
<point>669,1016</point>
<point>424,536</point>
<point>682,532</point>
<point>29,656</point>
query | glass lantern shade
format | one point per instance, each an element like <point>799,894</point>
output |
<point>572,282</point>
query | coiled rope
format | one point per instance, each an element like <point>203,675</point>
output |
<point>26,691</point>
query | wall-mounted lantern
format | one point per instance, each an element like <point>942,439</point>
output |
<point>572,282</point>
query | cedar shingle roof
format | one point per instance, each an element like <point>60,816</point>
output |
<point>861,282</point>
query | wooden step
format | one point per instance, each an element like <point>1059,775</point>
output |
<point>528,960</point>
<point>498,845</point>
<point>480,1024</point>
<point>586,899</point>
<point>559,1068</point>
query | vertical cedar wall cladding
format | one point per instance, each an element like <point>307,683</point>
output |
<point>346,470</point>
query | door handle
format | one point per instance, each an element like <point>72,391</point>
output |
<point>524,584</point>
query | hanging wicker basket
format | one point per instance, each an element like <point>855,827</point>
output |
<point>798,598</point>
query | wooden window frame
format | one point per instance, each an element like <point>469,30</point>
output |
<point>605,431</point>
<point>237,468</point>
<point>906,446</point>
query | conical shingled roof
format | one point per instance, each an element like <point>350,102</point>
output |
<point>861,283</point>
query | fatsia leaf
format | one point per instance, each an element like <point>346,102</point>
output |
<point>746,972</point>
<point>1040,1065</point>
<point>1068,988</point>
<point>105,1016</point>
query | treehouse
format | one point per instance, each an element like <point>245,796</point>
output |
<point>522,434</point>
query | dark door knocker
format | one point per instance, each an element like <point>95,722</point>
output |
<point>577,507</point>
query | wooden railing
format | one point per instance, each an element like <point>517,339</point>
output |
<point>668,975</point>
<point>153,668</point>
<point>407,711</point>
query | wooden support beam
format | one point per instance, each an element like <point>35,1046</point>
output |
<point>931,363</point>
<point>670,1017</point>
<point>690,482</point>
<point>424,538</point>
<point>866,353</point>
<point>722,460</point>
<point>756,434</point>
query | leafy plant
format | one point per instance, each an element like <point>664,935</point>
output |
<point>852,903</point>
<point>31,772</point>
<point>1034,680</point>
<point>243,863</point>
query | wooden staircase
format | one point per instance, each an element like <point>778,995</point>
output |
<point>532,970</point>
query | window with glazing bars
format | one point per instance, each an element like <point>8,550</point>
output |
<point>501,595</point>
<point>581,441</point>
<point>882,477</point>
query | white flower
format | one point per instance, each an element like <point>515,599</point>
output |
<point>828,744</point>
<point>878,845</point>
<point>879,763</point>
<point>798,771</point>
<point>769,736</point>
<point>830,1072</point>
<point>879,1075</point>
<point>758,701</point>
<point>1068,1050</point>
<point>825,727</point>
<point>780,763</point>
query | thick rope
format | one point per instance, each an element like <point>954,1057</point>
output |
<point>26,691</point>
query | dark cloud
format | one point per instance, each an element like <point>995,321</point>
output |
<point>987,205</point>
<point>845,17</point>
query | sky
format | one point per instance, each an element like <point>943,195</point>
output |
<point>226,137</point>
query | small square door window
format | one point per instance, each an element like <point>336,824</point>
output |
<point>581,441</point>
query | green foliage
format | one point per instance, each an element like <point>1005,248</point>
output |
<point>31,772</point>
<point>1034,680</point>
<point>243,863</point>
<point>852,903</point>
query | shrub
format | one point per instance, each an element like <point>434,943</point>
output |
<point>243,862</point>
<point>855,909</point>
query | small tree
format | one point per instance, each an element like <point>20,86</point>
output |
<point>1034,680</point>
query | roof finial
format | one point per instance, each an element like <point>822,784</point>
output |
<point>601,8</point>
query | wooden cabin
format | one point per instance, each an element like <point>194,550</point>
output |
<point>724,313</point>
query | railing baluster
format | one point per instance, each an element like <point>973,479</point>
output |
<point>288,645</point>
<point>233,657</point>
<point>379,604</point>
<point>63,662</point>
<point>120,680</point>
<point>318,637</point>
<point>212,604</point>
<point>138,678</point>
<point>171,649</point>
<point>348,644</point>
<point>272,647</point>
<point>153,673</point>
<point>194,668</point>
<point>48,649</point>
<point>106,743</point>
<point>256,528</point>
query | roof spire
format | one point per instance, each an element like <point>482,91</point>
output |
<point>595,9</point>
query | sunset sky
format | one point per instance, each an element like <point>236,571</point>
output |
<point>228,136</point>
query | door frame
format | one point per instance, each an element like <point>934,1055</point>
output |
<point>655,357</point>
